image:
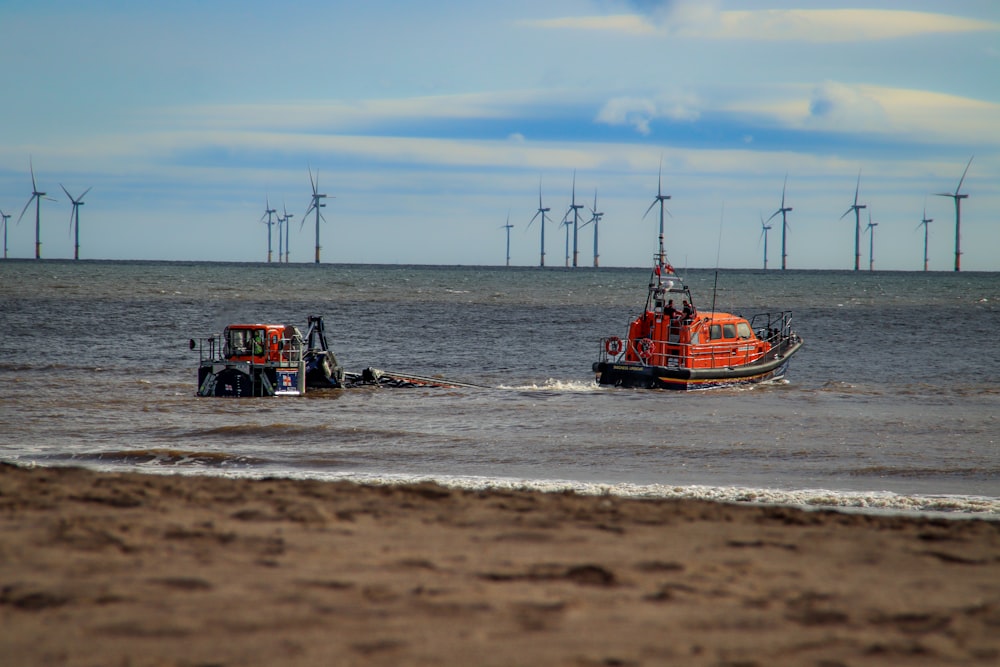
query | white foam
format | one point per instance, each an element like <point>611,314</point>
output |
<point>953,506</point>
<point>557,385</point>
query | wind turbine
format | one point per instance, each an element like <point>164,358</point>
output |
<point>660,198</point>
<point>5,217</point>
<point>508,227</point>
<point>288,223</point>
<point>764,229</point>
<point>856,207</point>
<point>541,212</point>
<point>575,209</point>
<point>36,196</point>
<point>871,241</point>
<point>74,218</point>
<point>595,217</point>
<point>958,214</point>
<point>281,220</point>
<point>316,204</point>
<point>565,223</point>
<point>926,224</point>
<point>784,226</point>
<point>268,213</point>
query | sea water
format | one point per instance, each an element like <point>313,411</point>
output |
<point>892,403</point>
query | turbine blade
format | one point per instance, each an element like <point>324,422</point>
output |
<point>783,191</point>
<point>772,215</point>
<point>85,193</point>
<point>314,184</point>
<point>31,166</point>
<point>25,208</point>
<point>963,175</point>
<point>650,208</point>
<point>846,212</point>
<point>67,193</point>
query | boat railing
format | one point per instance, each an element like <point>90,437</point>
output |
<point>773,328</point>
<point>213,349</point>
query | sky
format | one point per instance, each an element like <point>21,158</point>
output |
<point>430,125</point>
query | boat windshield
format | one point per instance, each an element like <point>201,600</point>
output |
<point>240,342</point>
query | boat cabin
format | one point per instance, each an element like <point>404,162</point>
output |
<point>261,343</point>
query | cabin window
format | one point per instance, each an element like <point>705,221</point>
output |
<point>715,332</point>
<point>743,329</point>
<point>237,342</point>
<point>729,331</point>
<point>695,338</point>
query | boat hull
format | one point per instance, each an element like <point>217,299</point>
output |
<point>642,376</point>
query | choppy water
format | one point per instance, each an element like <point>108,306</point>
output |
<point>892,403</point>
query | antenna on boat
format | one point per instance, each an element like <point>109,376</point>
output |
<point>718,254</point>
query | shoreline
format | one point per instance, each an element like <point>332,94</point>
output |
<point>157,569</point>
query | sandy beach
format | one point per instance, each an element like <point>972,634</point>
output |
<point>133,569</point>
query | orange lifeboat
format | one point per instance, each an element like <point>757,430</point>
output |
<point>678,347</point>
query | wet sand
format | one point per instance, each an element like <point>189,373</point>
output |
<point>132,569</point>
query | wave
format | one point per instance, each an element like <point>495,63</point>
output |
<point>558,385</point>
<point>951,506</point>
<point>161,457</point>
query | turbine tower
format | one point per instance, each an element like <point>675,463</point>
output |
<point>268,213</point>
<point>74,218</point>
<point>316,204</point>
<point>926,225</point>
<point>595,217</point>
<point>574,208</point>
<point>508,227</point>
<point>288,223</point>
<point>871,241</point>
<point>958,197</point>
<point>784,226</point>
<point>36,196</point>
<point>5,217</point>
<point>541,212</point>
<point>281,220</point>
<point>660,198</point>
<point>764,229</point>
<point>856,207</point>
<point>565,223</point>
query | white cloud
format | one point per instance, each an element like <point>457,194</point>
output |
<point>639,112</point>
<point>836,106</point>
<point>923,116</point>
<point>629,24</point>
<point>697,20</point>
<point>841,25</point>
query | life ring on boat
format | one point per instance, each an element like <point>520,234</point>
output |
<point>644,348</point>
<point>613,346</point>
